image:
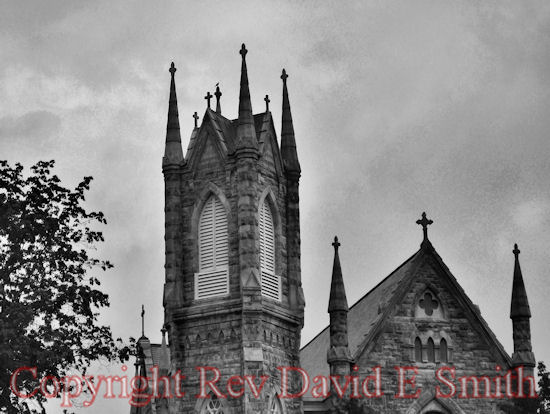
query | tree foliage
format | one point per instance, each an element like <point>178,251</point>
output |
<point>544,389</point>
<point>49,290</point>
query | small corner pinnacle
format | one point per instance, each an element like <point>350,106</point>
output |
<point>172,69</point>
<point>516,251</point>
<point>284,76</point>
<point>196,118</point>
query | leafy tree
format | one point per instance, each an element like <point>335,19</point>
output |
<point>544,389</point>
<point>49,290</point>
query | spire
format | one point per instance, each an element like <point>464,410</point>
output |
<point>246,133</point>
<point>143,321</point>
<point>173,153</point>
<point>218,95</point>
<point>337,299</point>
<point>288,141</point>
<point>520,305</point>
<point>164,362</point>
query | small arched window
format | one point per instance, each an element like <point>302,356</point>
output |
<point>212,279</point>
<point>271,283</point>
<point>430,350</point>
<point>213,406</point>
<point>443,353</point>
<point>417,350</point>
<point>275,406</point>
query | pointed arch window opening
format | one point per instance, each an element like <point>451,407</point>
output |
<point>430,350</point>
<point>275,406</point>
<point>270,281</point>
<point>213,277</point>
<point>417,350</point>
<point>443,351</point>
<point>213,406</point>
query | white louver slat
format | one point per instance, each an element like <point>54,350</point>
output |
<point>271,283</point>
<point>213,277</point>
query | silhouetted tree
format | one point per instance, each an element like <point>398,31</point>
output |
<point>49,290</point>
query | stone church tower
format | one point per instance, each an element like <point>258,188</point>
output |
<point>232,295</point>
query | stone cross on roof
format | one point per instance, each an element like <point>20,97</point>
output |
<point>208,97</point>
<point>424,222</point>
<point>267,101</point>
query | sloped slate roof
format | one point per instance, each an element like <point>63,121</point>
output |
<point>362,317</point>
<point>368,313</point>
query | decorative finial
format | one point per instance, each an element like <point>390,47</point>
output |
<point>267,101</point>
<point>284,76</point>
<point>243,51</point>
<point>172,69</point>
<point>196,117</point>
<point>208,97</point>
<point>336,243</point>
<point>163,330</point>
<point>516,251</point>
<point>142,320</point>
<point>424,222</point>
<point>218,95</point>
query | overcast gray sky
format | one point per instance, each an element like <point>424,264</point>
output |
<point>398,107</point>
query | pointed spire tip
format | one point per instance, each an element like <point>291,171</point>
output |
<point>284,75</point>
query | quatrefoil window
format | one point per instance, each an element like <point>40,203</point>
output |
<point>428,303</point>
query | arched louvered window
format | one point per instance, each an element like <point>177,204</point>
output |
<point>417,350</point>
<point>430,350</point>
<point>212,279</point>
<point>271,283</point>
<point>443,353</point>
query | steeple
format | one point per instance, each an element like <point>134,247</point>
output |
<point>246,133</point>
<point>173,153</point>
<point>338,355</point>
<point>520,315</point>
<point>519,307</point>
<point>337,299</point>
<point>288,141</point>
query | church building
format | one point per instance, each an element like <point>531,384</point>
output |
<point>234,305</point>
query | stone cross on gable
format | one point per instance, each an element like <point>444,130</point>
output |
<point>424,222</point>
<point>267,101</point>
<point>208,97</point>
<point>196,117</point>
<point>428,303</point>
